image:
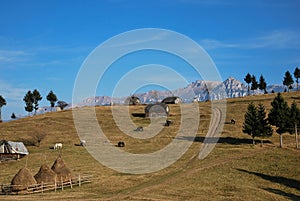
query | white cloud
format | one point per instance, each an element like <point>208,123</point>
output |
<point>275,40</point>
<point>130,40</point>
<point>215,44</point>
<point>209,2</point>
<point>13,55</point>
<point>10,92</point>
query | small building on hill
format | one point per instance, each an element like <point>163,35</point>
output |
<point>132,100</point>
<point>12,150</point>
<point>157,110</point>
<point>172,100</point>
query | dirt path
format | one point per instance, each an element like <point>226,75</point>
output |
<point>213,134</point>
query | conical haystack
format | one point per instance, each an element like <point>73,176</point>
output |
<point>61,170</point>
<point>22,180</point>
<point>45,175</point>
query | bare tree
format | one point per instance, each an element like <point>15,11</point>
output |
<point>37,135</point>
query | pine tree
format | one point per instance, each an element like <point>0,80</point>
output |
<point>36,98</point>
<point>51,97</point>
<point>248,80</point>
<point>297,76</point>
<point>288,80</point>
<point>2,103</point>
<point>254,84</point>
<point>279,115</point>
<point>250,122</point>
<point>294,121</point>
<point>262,84</point>
<point>263,126</point>
<point>28,99</point>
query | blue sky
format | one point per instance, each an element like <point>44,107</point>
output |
<point>44,43</point>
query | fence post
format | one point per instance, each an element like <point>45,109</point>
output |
<point>62,184</point>
<point>71,182</point>
<point>42,187</point>
<point>55,185</point>
<point>79,180</point>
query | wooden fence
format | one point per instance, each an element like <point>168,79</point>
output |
<point>7,189</point>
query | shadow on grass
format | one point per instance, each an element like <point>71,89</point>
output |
<point>28,142</point>
<point>290,196</point>
<point>224,140</point>
<point>291,183</point>
<point>138,114</point>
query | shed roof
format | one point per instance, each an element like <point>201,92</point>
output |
<point>13,147</point>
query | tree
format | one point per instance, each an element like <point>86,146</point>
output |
<point>13,116</point>
<point>294,121</point>
<point>37,134</point>
<point>2,103</point>
<point>264,129</point>
<point>297,76</point>
<point>62,104</point>
<point>254,84</point>
<point>288,80</point>
<point>279,115</point>
<point>36,98</point>
<point>51,97</point>
<point>28,99</point>
<point>250,122</point>
<point>248,80</point>
<point>262,84</point>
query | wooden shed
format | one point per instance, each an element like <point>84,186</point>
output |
<point>157,110</point>
<point>172,100</point>
<point>132,100</point>
<point>12,150</point>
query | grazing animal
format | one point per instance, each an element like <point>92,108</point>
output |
<point>232,121</point>
<point>168,122</point>
<point>82,143</point>
<point>121,144</point>
<point>140,129</point>
<point>57,146</point>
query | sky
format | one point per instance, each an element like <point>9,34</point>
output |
<point>44,44</point>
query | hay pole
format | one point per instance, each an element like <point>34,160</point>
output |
<point>62,183</point>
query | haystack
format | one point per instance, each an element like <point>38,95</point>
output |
<point>45,175</point>
<point>22,180</point>
<point>62,171</point>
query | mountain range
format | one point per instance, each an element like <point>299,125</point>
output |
<point>196,91</point>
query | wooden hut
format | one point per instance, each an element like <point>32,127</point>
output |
<point>12,150</point>
<point>132,100</point>
<point>157,110</point>
<point>172,100</point>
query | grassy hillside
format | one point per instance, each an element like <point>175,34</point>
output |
<point>234,170</point>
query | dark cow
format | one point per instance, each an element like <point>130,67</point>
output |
<point>168,122</point>
<point>121,144</point>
